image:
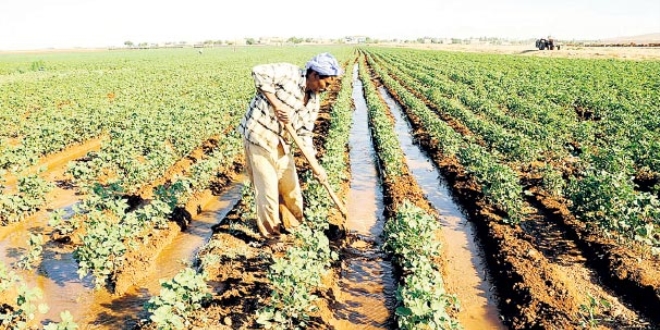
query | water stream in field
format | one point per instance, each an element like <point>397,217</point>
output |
<point>466,274</point>
<point>62,289</point>
<point>367,282</point>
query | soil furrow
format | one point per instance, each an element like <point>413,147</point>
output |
<point>532,293</point>
<point>551,244</point>
<point>465,273</point>
<point>55,164</point>
<point>631,271</point>
<point>366,283</point>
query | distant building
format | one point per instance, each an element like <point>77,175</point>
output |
<point>355,40</point>
<point>271,41</point>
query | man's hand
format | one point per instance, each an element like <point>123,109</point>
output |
<point>322,176</point>
<point>283,113</point>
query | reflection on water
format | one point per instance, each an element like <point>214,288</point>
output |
<point>466,268</point>
<point>98,309</point>
<point>367,282</point>
<point>365,199</point>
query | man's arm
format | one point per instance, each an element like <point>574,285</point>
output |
<point>267,78</point>
<point>282,111</point>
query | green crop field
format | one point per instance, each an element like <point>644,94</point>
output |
<point>109,158</point>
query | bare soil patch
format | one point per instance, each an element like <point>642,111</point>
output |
<point>621,53</point>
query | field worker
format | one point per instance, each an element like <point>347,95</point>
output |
<point>285,93</point>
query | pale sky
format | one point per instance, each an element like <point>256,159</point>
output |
<point>34,24</point>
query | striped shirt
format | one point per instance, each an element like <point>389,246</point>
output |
<point>260,125</point>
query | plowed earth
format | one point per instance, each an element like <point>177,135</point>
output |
<point>547,268</point>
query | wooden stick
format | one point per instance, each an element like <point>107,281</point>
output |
<point>315,167</point>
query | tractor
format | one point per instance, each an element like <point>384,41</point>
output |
<point>549,43</point>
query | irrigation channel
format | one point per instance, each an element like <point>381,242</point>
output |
<point>62,289</point>
<point>541,272</point>
<point>466,274</point>
<point>367,280</point>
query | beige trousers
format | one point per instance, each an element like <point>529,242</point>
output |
<point>277,192</point>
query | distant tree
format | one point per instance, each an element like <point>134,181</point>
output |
<point>128,43</point>
<point>250,41</point>
<point>294,40</point>
<point>143,45</point>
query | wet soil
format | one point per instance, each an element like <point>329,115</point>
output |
<point>629,269</point>
<point>535,291</point>
<point>167,253</point>
<point>367,284</point>
<point>465,274</point>
<point>101,309</point>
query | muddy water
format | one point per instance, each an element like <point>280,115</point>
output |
<point>97,309</point>
<point>366,280</point>
<point>466,268</point>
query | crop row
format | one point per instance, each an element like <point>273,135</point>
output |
<point>623,209</point>
<point>411,232</point>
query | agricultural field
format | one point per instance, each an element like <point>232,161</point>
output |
<point>484,191</point>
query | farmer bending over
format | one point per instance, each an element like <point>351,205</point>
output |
<point>285,94</point>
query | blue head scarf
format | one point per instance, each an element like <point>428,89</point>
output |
<point>325,64</point>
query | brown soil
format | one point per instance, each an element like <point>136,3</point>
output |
<point>534,291</point>
<point>629,268</point>
<point>647,180</point>
<point>239,281</point>
<point>138,262</point>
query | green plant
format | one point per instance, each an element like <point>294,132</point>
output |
<point>423,302</point>
<point>20,315</point>
<point>592,311</point>
<point>67,323</point>
<point>33,254</point>
<point>179,299</point>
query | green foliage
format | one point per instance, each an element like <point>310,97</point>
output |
<point>610,200</point>
<point>33,254</point>
<point>522,110</point>
<point>500,184</point>
<point>593,311</point>
<point>179,299</point>
<point>65,226</point>
<point>19,314</point>
<point>38,66</point>
<point>102,250</point>
<point>67,323</point>
<point>385,138</point>
<point>553,181</point>
<point>424,304</point>
<point>31,195</point>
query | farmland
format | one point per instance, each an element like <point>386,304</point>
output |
<point>483,191</point>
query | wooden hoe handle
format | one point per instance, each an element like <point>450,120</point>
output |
<point>315,167</point>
